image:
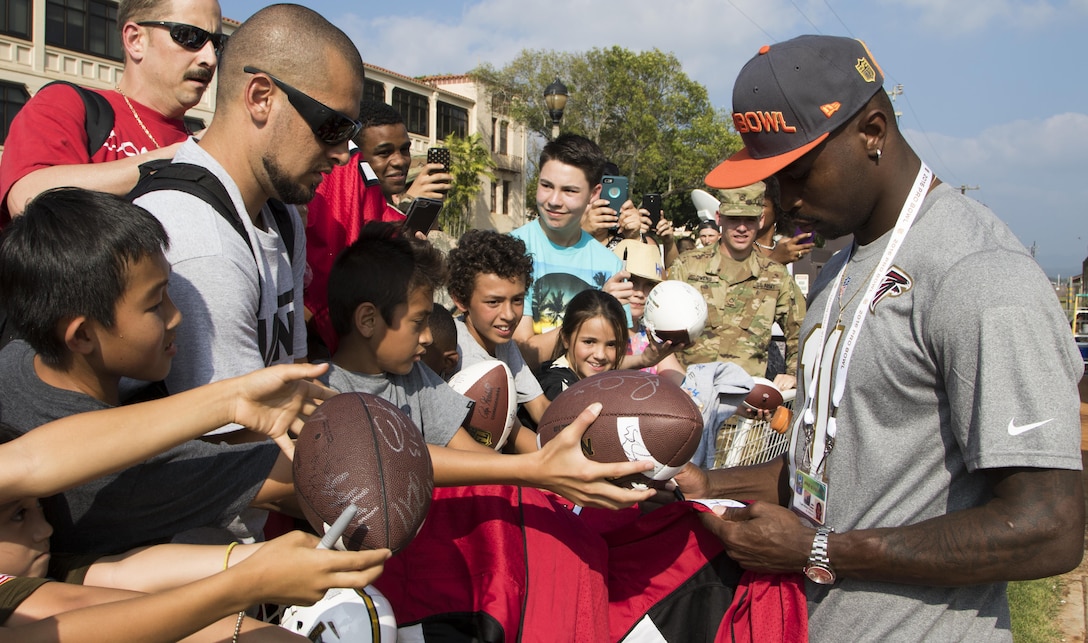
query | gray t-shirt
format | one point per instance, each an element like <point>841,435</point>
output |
<point>241,312</point>
<point>470,351</point>
<point>433,406</point>
<point>195,484</point>
<point>965,340</point>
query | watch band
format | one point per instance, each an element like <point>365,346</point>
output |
<point>818,569</point>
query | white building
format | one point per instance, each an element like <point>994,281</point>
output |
<point>77,41</point>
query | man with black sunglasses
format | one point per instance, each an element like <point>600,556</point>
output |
<point>290,84</point>
<point>172,49</point>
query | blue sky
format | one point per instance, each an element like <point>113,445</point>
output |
<point>995,92</point>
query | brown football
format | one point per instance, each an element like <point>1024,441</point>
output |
<point>490,386</point>
<point>764,396</point>
<point>360,449</point>
<point>642,417</point>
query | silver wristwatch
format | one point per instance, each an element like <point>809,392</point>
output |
<point>818,569</point>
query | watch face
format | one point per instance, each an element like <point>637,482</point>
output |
<point>820,575</point>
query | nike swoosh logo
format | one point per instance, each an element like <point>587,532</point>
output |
<point>1017,430</point>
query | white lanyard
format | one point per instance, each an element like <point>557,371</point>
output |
<point>906,218</point>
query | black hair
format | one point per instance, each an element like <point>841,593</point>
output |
<point>443,330</point>
<point>382,268</point>
<point>586,305</point>
<point>68,255</point>
<point>579,151</point>
<point>375,113</point>
<point>487,252</point>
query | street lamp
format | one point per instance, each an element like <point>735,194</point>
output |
<point>555,97</point>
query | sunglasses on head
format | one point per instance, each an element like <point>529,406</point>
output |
<point>329,126</point>
<point>190,37</point>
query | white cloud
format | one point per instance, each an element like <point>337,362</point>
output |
<point>712,39</point>
<point>1031,173</point>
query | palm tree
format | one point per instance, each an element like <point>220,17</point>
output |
<point>469,161</point>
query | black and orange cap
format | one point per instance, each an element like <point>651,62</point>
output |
<point>789,98</point>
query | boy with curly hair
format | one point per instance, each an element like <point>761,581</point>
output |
<point>489,276</point>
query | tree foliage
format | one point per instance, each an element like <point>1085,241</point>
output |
<point>469,160</point>
<point>649,118</point>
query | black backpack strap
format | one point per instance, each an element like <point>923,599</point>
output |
<point>286,226</point>
<point>99,115</point>
<point>163,174</point>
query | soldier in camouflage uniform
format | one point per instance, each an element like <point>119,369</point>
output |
<point>745,293</point>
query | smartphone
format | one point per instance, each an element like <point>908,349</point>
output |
<point>439,155</point>
<point>652,204</point>
<point>422,213</point>
<point>614,188</point>
<point>811,238</point>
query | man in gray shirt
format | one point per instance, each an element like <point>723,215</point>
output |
<point>935,454</point>
<point>289,92</point>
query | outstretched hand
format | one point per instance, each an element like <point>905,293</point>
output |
<point>279,399</point>
<point>289,570</point>
<point>565,470</point>
<point>762,536</point>
<point>656,351</point>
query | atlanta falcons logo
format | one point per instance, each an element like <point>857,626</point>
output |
<point>895,283</point>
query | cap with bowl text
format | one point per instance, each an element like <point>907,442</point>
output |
<point>789,98</point>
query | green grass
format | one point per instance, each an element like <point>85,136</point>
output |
<point>1034,606</point>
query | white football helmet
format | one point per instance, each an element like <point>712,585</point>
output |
<point>706,206</point>
<point>344,616</point>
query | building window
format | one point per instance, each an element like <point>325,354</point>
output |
<point>503,128</point>
<point>15,17</point>
<point>495,135</point>
<point>451,120</point>
<point>87,26</point>
<point>506,197</point>
<point>373,90</point>
<point>12,99</point>
<point>494,196</point>
<point>414,108</point>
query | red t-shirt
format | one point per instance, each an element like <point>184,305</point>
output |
<point>51,130</point>
<point>344,203</point>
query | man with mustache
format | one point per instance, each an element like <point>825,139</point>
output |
<point>289,91</point>
<point>171,52</point>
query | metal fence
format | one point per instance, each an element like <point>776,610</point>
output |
<point>743,441</point>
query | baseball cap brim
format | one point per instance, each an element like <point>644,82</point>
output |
<point>741,169</point>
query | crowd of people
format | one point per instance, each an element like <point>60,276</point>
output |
<point>162,318</point>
